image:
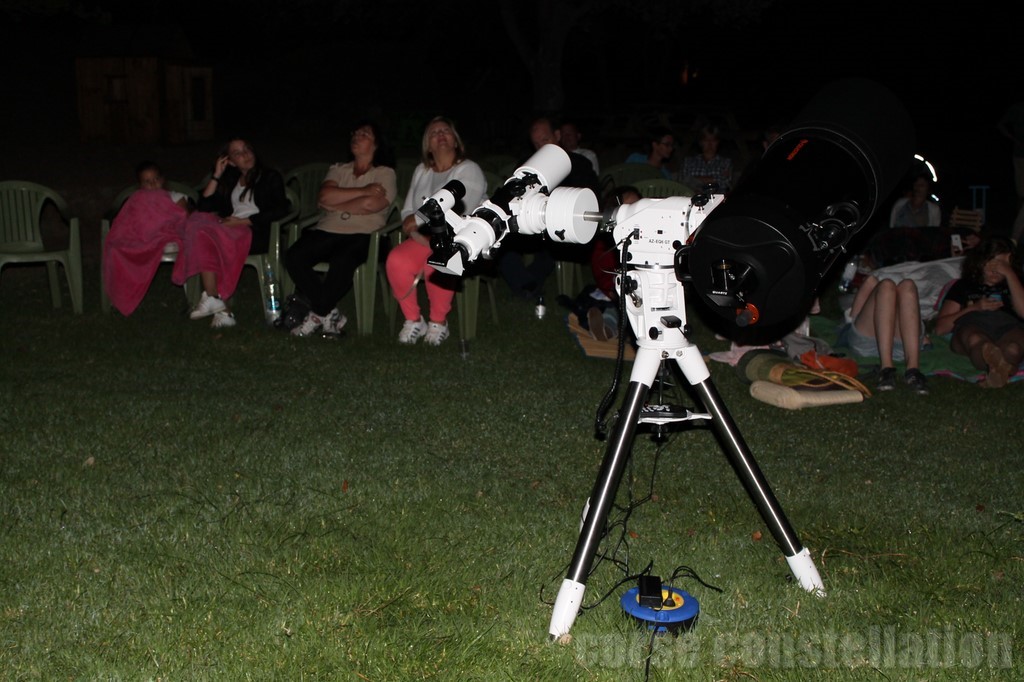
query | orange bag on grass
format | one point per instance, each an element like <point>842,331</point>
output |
<point>830,363</point>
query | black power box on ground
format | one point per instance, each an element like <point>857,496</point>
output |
<point>650,591</point>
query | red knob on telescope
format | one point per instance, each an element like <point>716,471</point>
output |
<point>747,315</point>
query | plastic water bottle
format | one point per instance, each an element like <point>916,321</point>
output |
<point>273,297</point>
<point>849,272</point>
<point>540,311</point>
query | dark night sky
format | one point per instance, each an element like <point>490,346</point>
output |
<point>954,70</point>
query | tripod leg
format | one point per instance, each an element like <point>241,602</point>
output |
<point>570,594</point>
<point>736,449</point>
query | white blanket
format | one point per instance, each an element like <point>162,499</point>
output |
<point>930,277</point>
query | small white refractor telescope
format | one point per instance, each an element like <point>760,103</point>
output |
<point>528,203</point>
<point>755,257</point>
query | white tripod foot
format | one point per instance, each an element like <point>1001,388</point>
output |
<point>567,605</point>
<point>806,572</point>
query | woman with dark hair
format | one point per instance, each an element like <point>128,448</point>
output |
<point>444,159</point>
<point>984,311</point>
<point>354,199</point>
<point>246,197</point>
<point>661,144</point>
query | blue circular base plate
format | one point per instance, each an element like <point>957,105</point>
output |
<point>679,612</point>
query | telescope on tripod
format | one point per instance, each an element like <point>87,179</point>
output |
<point>755,257</point>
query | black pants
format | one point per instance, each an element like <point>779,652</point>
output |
<point>342,252</point>
<point>526,277</point>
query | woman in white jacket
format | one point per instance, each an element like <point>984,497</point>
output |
<point>444,159</point>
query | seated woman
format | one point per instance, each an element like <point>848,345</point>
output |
<point>661,144</point>
<point>444,159</point>
<point>884,315</point>
<point>240,201</point>
<point>150,223</point>
<point>355,198</point>
<point>984,311</point>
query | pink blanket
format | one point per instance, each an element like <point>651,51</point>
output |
<point>146,223</point>
<point>210,246</point>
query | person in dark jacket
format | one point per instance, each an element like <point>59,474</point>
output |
<point>247,197</point>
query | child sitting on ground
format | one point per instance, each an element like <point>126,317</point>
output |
<point>885,323</point>
<point>984,311</point>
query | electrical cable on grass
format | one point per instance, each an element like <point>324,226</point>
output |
<point>620,545</point>
<point>681,571</point>
<point>636,576</point>
<point>608,555</point>
<point>684,571</point>
<point>650,654</point>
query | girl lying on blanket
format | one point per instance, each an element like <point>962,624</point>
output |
<point>984,311</point>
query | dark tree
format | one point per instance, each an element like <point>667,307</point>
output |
<point>541,30</point>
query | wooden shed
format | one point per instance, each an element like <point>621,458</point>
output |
<point>150,91</point>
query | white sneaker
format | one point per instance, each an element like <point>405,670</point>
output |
<point>334,322</point>
<point>412,330</point>
<point>436,333</point>
<point>223,319</point>
<point>208,305</point>
<point>310,325</point>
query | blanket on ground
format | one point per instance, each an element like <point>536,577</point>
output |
<point>932,279</point>
<point>936,360</point>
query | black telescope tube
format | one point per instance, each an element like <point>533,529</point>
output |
<point>791,217</point>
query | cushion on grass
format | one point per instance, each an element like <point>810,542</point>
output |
<point>592,347</point>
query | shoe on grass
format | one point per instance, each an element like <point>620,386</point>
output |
<point>310,325</point>
<point>411,331</point>
<point>916,381</point>
<point>886,379</point>
<point>334,323</point>
<point>223,319</point>
<point>436,333</point>
<point>208,305</point>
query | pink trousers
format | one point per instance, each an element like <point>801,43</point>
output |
<point>405,262</point>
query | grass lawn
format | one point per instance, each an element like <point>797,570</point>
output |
<point>183,503</point>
